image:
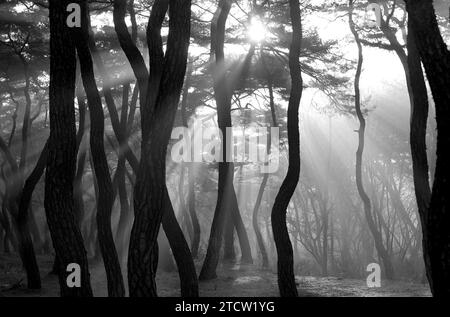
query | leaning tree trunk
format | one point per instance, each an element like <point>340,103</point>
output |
<point>24,205</point>
<point>180,249</point>
<point>381,250</point>
<point>105,189</point>
<point>59,202</point>
<point>244,242</point>
<point>259,238</point>
<point>286,279</point>
<point>436,220</point>
<point>13,187</point>
<point>157,118</point>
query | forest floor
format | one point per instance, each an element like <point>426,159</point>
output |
<point>233,280</point>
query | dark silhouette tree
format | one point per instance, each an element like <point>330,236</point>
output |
<point>105,187</point>
<point>285,262</point>
<point>436,220</point>
<point>158,109</point>
<point>227,209</point>
<point>60,171</point>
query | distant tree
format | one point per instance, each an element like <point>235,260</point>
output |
<point>382,252</point>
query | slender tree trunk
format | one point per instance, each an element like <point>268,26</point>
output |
<point>59,202</point>
<point>24,205</point>
<point>195,242</point>
<point>226,196</point>
<point>381,250</point>
<point>286,279</point>
<point>259,238</point>
<point>105,195</point>
<point>226,170</point>
<point>180,249</point>
<point>150,198</point>
<point>193,214</point>
<point>120,174</point>
<point>244,242</point>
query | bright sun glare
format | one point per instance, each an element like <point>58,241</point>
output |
<point>257,31</point>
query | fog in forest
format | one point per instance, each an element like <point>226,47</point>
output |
<point>93,171</point>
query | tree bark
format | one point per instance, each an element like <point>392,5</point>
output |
<point>286,279</point>
<point>59,202</point>
<point>105,189</point>
<point>226,196</point>
<point>180,249</point>
<point>157,121</point>
<point>436,220</point>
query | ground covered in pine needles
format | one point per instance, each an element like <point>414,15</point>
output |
<point>233,280</point>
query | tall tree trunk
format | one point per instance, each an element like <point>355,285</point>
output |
<point>259,238</point>
<point>24,206</point>
<point>14,191</point>
<point>157,118</point>
<point>223,91</point>
<point>418,96</point>
<point>105,189</point>
<point>436,220</point>
<point>82,150</point>
<point>195,242</point>
<point>59,202</point>
<point>180,249</point>
<point>381,250</point>
<point>226,170</point>
<point>286,279</point>
<point>120,173</point>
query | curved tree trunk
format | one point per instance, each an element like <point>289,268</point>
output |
<point>195,239</point>
<point>157,120</point>
<point>24,205</point>
<point>259,238</point>
<point>180,249</point>
<point>105,189</point>
<point>381,250</point>
<point>286,280</point>
<point>244,242</point>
